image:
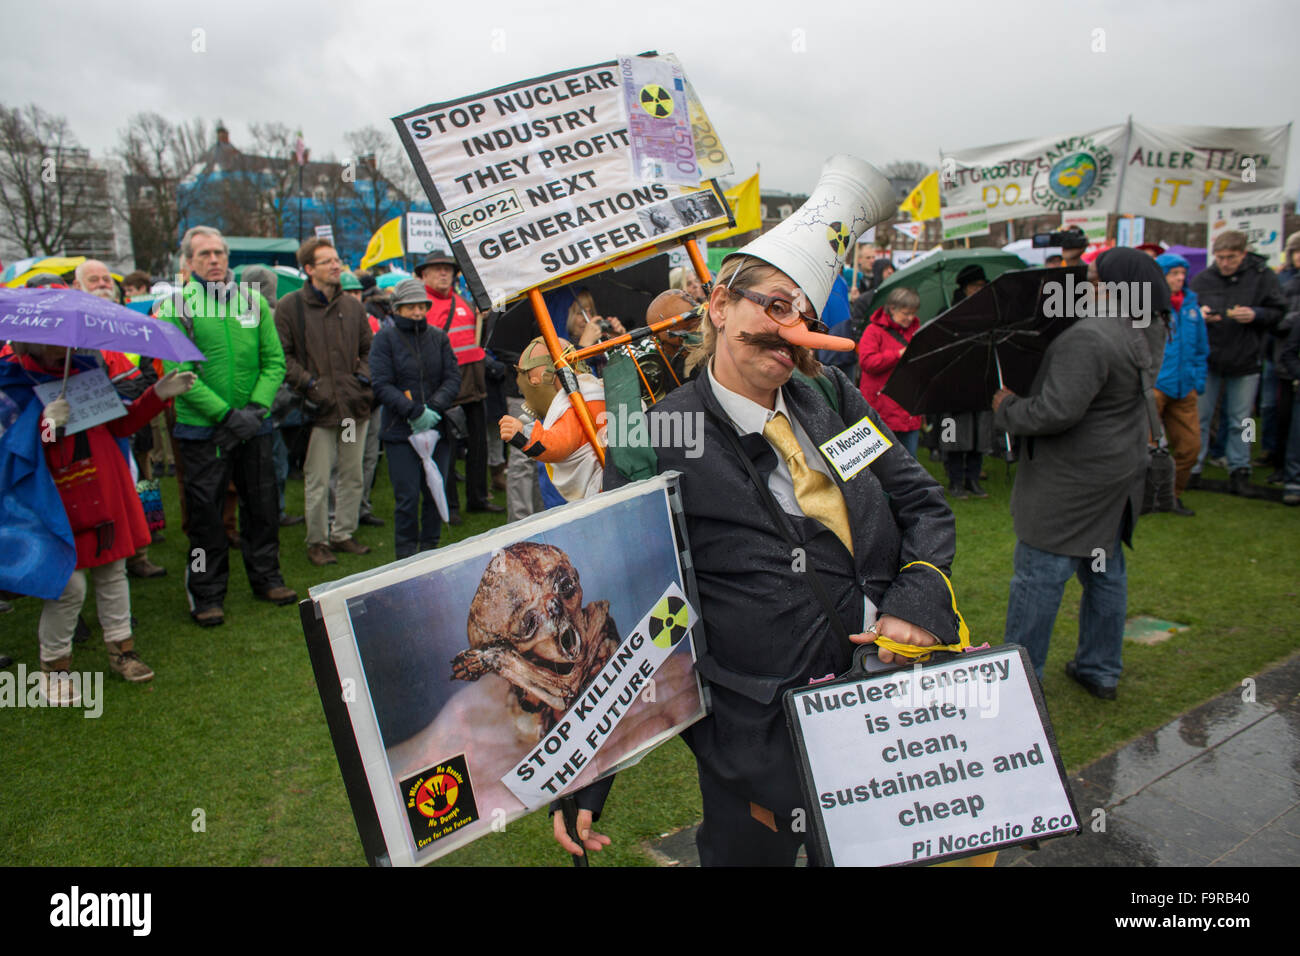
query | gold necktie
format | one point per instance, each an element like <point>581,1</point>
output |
<point>817,494</point>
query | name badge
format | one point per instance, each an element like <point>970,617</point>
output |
<point>855,448</point>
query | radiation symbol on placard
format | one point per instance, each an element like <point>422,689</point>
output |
<point>669,621</point>
<point>837,234</point>
<point>656,101</point>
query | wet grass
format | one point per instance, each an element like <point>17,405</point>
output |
<point>225,759</point>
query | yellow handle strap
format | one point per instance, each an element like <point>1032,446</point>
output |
<point>914,652</point>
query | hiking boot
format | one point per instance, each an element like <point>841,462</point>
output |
<point>957,491</point>
<point>973,486</point>
<point>1239,483</point>
<point>279,595</point>
<point>1182,509</point>
<point>209,617</point>
<point>144,568</point>
<point>371,521</point>
<point>319,555</point>
<point>125,661</point>
<point>349,546</point>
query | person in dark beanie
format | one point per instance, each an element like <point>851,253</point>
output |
<point>456,317</point>
<point>1241,303</point>
<point>416,380</point>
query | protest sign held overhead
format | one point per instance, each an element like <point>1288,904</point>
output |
<point>1259,217</point>
<point>535,181</point>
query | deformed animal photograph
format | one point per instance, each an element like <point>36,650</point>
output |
<point>481,658</point>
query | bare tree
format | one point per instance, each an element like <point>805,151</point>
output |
<point>385,182</point>
<point>277,178</point>
<point>49,190</point>
<point>158,155</point>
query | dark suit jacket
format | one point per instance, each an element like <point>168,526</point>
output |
<point>765,630</point>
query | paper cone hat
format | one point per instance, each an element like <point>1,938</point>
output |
<point>811,245</point>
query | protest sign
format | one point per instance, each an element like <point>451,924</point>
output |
<point>1092,224</point>
<point>533,182</point>
<point>1259,217</point>
<point>91,396</point>
<point>424,234</point>
<point>1035,177</point>
<point>467,686</point>
<point>962,222</point>
<point>325,232</point>
<point>658,121</point>
<point>1130,231</point>
<point>913,230</point>
<point>929,763</point>
<point>1175,173</point>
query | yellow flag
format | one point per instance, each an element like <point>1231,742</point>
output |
<point>385,244</point>
<point>743,199</point>
<point>923,202</point>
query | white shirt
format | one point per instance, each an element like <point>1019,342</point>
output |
<point>749,417</point>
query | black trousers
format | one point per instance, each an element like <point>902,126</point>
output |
<point>416,522</point>
<point>731,836</point>
<point>208,472</point>
<point>962,466</point>
<point>476,486</point>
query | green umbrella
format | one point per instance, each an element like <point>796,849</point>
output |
<point>286,279</point>
<point>934,278</point>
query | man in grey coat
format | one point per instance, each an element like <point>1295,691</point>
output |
<point>1079,484</point>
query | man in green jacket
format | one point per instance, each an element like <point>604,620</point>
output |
<point>222,429</point>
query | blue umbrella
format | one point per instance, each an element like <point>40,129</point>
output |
<point>79,320</point>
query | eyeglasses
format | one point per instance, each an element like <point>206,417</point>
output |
<point>332,261</point>
<point>781,311</point>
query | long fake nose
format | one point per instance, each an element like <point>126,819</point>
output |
<point>800,334</point>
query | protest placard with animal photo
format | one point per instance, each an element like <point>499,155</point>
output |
<point>467,686</point>
<point>543,179</point>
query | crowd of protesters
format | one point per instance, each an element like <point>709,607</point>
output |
<point>326,378</point>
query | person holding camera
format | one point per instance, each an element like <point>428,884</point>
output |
<point>326,337</point>
<point>222,430</point>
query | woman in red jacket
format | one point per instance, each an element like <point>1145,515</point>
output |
<point>886,338</point>
<point>103,509</point>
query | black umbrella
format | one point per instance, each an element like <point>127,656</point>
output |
<point>625,293</point>
<point>991,339</point>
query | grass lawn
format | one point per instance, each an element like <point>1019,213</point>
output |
<point>231,732</point>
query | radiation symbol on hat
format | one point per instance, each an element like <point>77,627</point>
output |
<point>669,621</point>
<point>837,234</point>
<point>656,101</point>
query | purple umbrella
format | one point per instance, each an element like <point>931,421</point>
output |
<point>79,320</point>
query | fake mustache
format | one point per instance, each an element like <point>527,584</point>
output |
<point>803,359</point>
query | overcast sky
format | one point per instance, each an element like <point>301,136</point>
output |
<point>785,83</point>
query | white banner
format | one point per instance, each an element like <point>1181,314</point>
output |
<point>424,234</point>
<point>1259,217</point>
<point>1176,173</point>
<point>533,182</point>
<point>1092,224</point>
<point>1035,177</point>
<point>960,222</point>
